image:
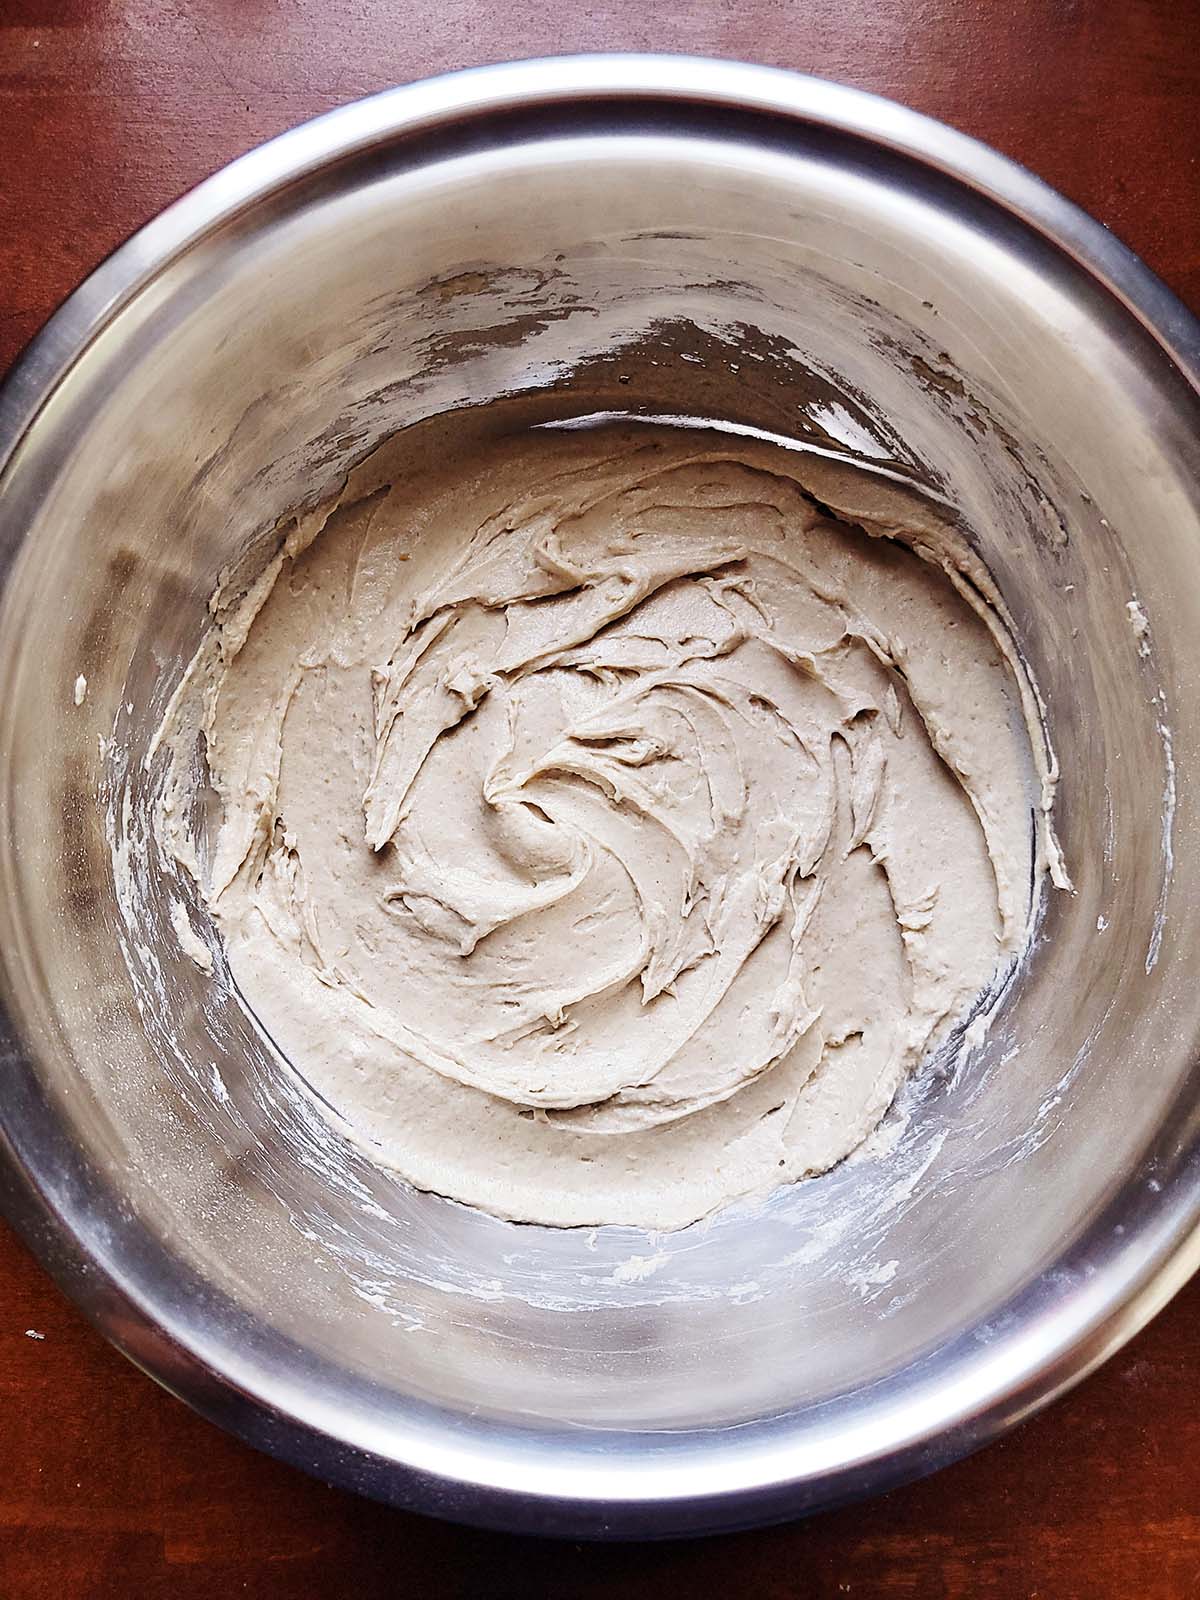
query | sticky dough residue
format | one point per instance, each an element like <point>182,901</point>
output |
<point>606,828</point>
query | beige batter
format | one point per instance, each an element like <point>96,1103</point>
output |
<point>605,831</point>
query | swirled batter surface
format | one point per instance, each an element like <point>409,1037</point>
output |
<point>606,829</point>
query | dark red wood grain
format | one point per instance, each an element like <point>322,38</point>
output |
<point>108,1487</point>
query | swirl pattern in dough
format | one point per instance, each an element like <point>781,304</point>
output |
<point>607,830</point>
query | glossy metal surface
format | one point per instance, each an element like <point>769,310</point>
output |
<point>632,233</point>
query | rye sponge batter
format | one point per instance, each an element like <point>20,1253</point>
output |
<point>605,827</point>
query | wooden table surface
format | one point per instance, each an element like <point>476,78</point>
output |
<point>110,1488</point>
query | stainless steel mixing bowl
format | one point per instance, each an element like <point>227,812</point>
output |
<point>659,235</point>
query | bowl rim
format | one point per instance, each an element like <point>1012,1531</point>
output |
<point>1129,1261</point>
